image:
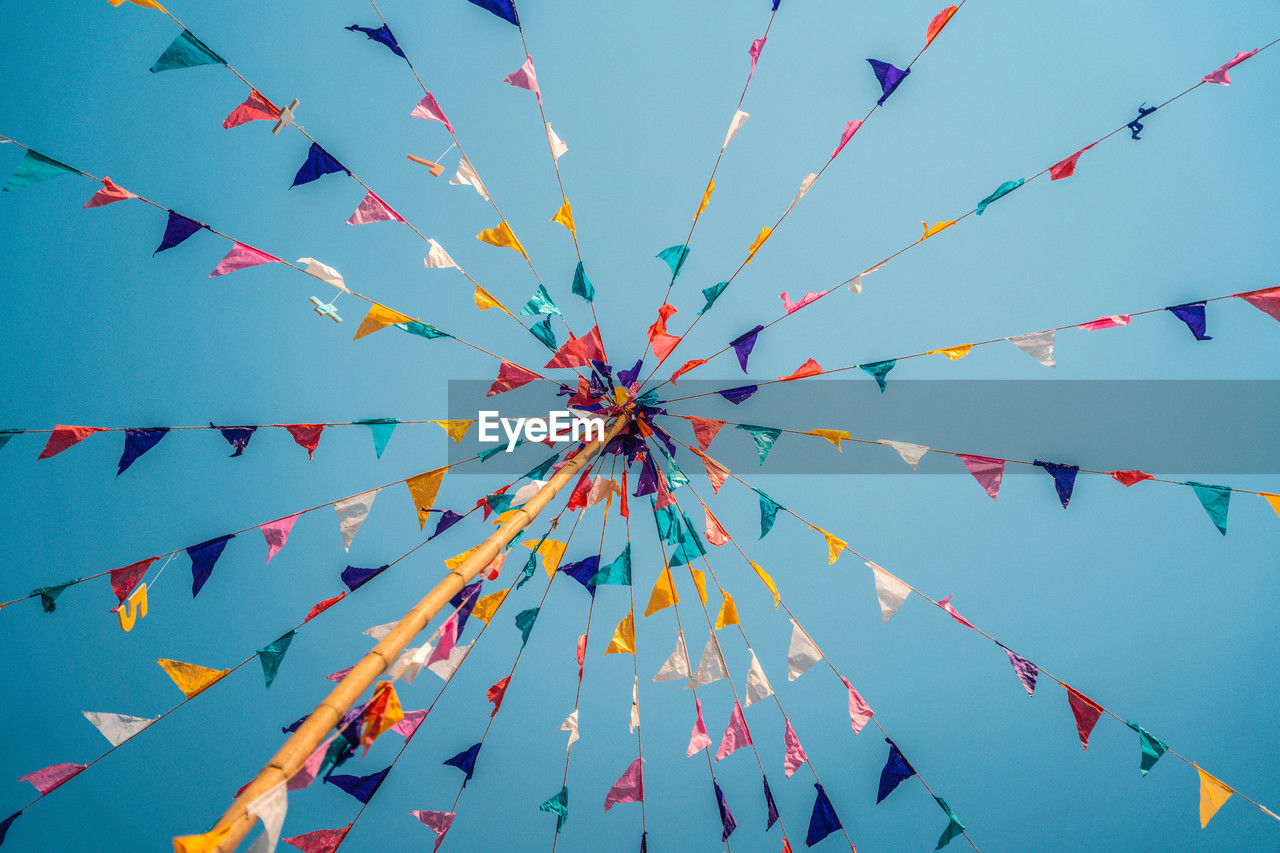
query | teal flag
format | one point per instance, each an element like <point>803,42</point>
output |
<point>49,595</point>
<point>422,330</point>
<point>668,523</point>
<point>689,546</point>
<point>768,512</point>
<point>531,565</point>
<point>764,437</point>
<point>582,285</point>
<point>525,620</point>
<point>186,51</point>
<point>540,473</point>
<point>674,257</point>
<point>486,455</point>
<point>6,434</point>
<point>1152,747</point>
<point>543,332</point>
<point>381,429</point>
<point>34,168</point>
<point>540,303</point>
<point>499,503</point>
<point>618,572</point>
<point>711,294</point>
<point>954,826</point>
<point>1215,500</point>
<point>559,806</point>
<point>879,370</point>
<point>1001,191</point>
<point>675,476</point>
<point>271,656</point>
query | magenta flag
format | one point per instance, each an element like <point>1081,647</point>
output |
<point>698,740</point>
<point>629,788</point>
<point>242,256</point>
<point>736,735</point>
<point>52,776</point>
<point>795,752</point>
<point>277,533</point>
<point>373,209</point>
<point>987,471</point>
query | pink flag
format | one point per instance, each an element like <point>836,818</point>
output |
<point>111,192</point>
<point>52,776</point>
<point>428,108</point>
<point>754,50</point>
<point>448,638</point>
<point>1109,322</point>
<point>736,735</point>
<point>945,604</point>
<point>511,376</point>
<point>795,752</point>
<point>254,107</point>
<point>792,307</point>
<point>706,430</point>
<point>809,368</point>
<point>629,788</point>
<point>277,533</point>
<point>698,740</point>
<point>63,437</point>
<point>582,653</point>
<point>716,472</point>
<point>987,471</point>
<point>242,256</point>
<point>1220,75</point>
<point>320,840</point>
<point>310,769</point>
<point>850,129</point>
<point>714,533</point>
<point>859,711</point>
<point>373,209</point>
<point>1267,301</point>
<point>342,673</point>
<point>1066,168</point>
<point>496,693</point>
<point>525,77</point>
<point>437,821</point>
<point>125,580</point>
<point>409,725</point>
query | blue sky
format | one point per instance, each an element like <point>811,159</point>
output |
<point>1129,595</point>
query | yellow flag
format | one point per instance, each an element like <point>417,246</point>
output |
<point>565,217</point>
<point>382,712</point>
<point>453,562</point>
<point>700,581</point>
<point>208,842</point>
<point>147,4</point>
<point>488,605</point>
<point>503,237</point>
<point>760,238</point>
<point>551,551</point>
<point>768,581</point>
<point>1274,500</point>
<point>706,197</point>
<point>423,489</point>
<point>835,436</point>
<point>953,353</point>
<point>485,301</point>
<point>663,595</point>
<point>930,230</point>
<point>834,545</point>
<point>728,612</point>
<point>378,318</point>
<point>457,430</point>
<point>1213,793</point>
<point>191,678</point>
<point>624,638</point>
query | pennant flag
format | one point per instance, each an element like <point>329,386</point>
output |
<point>271,656</point>
<point>1193,315</point>
<point>255,108</point>
<point>767,580</point>
<point>525,77</point>
<point>6,434</point>
<point>36,167</point>
<point>448,519</point>
<point>6,823</point>
<point>455,429</point>
<point>382,35</point>
<point>699,581</point>
<point>855,283</point>
<point>954,826</point>
<point>242,256</point>
<point>860,712</point>
<point>1000,192</point>
<point>677,664</point>
<point>686,367</point>
<point>890,78</point>
<point>1086,712</point>
<point>237,437</point>
<point>945,604</point>
<point>879,370</point>
<point>316,610</point>
<point>428,108</point>
<point>711,294</point>
<point>559,803</point>
<point>502,236</point>
<point>52,776</point>
<point>1213,793</point>
<point>318,163</point>
<point>773,812</point>
<point>438,822</point>
<point>579,352</point>
<point>823,821</point>
<point>895,770</point>
<point>953,353</point>
<point>757,45</point>
<point>726,816</point>
<point>49,595</point>
<point>735,125</point>
<point>1066,168</point>
<point>1129,478</point>
<point>209,841</point>
<point>203,557</point>
<point>910,453</point>
<point>1267,301</point>
<point>764,438</point>
<point>582,285</point>
<point>930,230</point>
<point>736,734</point>
<point>109,194</point>
<point>564,216</point>
<point>768,512</point>
<point>177,229</point>
<point>1273,500</point>
<point>835,436</point>
<point>674,257</point>
<point>1215,500</point>
<point>835,545</point>
<point>711,667</point>
<point>1064,478</point>
<point>1220,75</point>
<point>540,303</point>
<point>318,841</point>
<point>465,761</point>
<point>794,757</point>
<point>146,4</point>
<point>728,612</point>
<point>355,578</point>
<point>617,572</point>
<point>714,532</point>
<point>850,128</point>
<point>186,51</point>
<point>890,590</point>
<point>706,197</point>
<point>801,654</point>
<point>757,243</point>
<point>624,636</point>
<point>381,429</point>
<point>1106,322</point>
<point>584,572</point>
<point>423,490</point>
<point>737,395</point>
<point>496,694</point>
<point>743,344</point>
<point>758,686</point>
<point>987,471</point>
<point>570,725</point>
<point>373,209</point>
<point>1152,747</point>
<point>805,183</point>
<point>660,341</point>
<point>511,376</point>
<point>117,728</point>
<point>191,678</point>
<point>705,430</point>
<point>558,148</point>
<point>629,788</point>
<point>663,596</point>
<point>136,443</point>
<point>1038,345</point>
<point>352,512</point>
<point>935,26</point>
<point>325,273</point>
<point>361,787</point>
<point>124,580</point>
<point>809,368</point>
<point>487,606</point>
<point>466,176</point>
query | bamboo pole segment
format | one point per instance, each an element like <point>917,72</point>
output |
<point>290,758</point>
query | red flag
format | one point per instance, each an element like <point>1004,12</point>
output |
<point>496,693</point>
<point>1086,712</point>
<point>254,107</point>
<point>577,352</point>
<point>323,606</point>
<point>622,510</point>
<point>306,435</point>
<point>111,192</point>
<point>578,499</point>
<point>63,437</point>
<point>939,21</point>
<point>659,341</point>
<point>1067,167</point>
<point>511,376</point>
<point>1267,301</point>
<point>319,840</point>
<point>706,430</point>
<point>1130,477</point>
<point>125,580</point>
<point>686,367</point>
<point>809,368</point>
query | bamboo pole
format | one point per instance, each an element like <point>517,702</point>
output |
<point>290,758</point>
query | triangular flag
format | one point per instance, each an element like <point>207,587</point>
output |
<point>352,512</point>
<point>706,197</point>
<point>896,769</point>
<point>423,490</point>
<point>319,840</point>
<point>511,376</point>
<point>726,817</point>
<point>850,128</point>
<point>698,739</point>
<point>939,21</point>
<point>318,163</point>
<point>889,76</point>
<point>768,512</point>
<point>674,257</point>
<point>945,604</point>
<point>63,437</point>
<point>823,821</point>
<point>318,608</point>
<point>455,429</point>
<point>488,605</point>
<point>624,636</point>
<point>271,656</point>
<point>203,557</point>
<point>930,230</point>
<point>124,580</point>
<point>255,107</point>
<point>1213,793</point>
<point>705,429</point>
<point>617,572</point>
<point>525,77</point>
<point>277,533</point>
<point>1273,500</point>
<point>860,712</point>
<point>1064,478</point>
<point>236,436</point>
<point>629,788</point>
<point>466,176</point>
<point>559,803</point>
<point>1066,168</point>
<point>809,368</point>
<point>361,787</point>
<point>758,686</point>
<point>794,757</point>
<point>583,287</point>
<point>792,307</point>
<point>910,453</point>
<point>801,654</point>
<point>735,125</point>
<point>373,209</point>
<point>890,590</point>
<point>1193,315</point>
<point>146,4</point>
<point>438,822</point>
<point>1025,670</point>
<point>835,545</point>
<point>954,826</point>
<point>744,344</point>
<point>804,188</point>
<point>711,667</point>
<point>382,35</point>
<point>987,471</point>
<point>1151,746</point>
<point>728,612</point>
<point>714,532</point>
<point>757,243</point>
<point>736,735</point>
<point>1215,500</point>
<point>570,725</point>
<point>1038,345</point>
<point>51,777</point>
<point>191,678</point>
<point>503,237</point>
<point>835,436</point>
<point>1109,322</point>
<point>497,693</point>
<point>564,216</point>
<point>437,258</point>
<point>209,841</point>
<point>428,108</point>
<point>176,230</point>
<point>325,273</point>
<point>764,438</point>
<point>138,442</point>
<point>767,580</point>
<point>378,318</point>
<point>242,256</point>
<point>1000,192</point>
<point>1266,301</point>
<point>953,353</point>
<point>110,193</point>
<point>1086,712</point>
<point>117,728</point>
<point>186,51</point>
<point>663,596</point>
<point>879,370</point>
<point>1220,75</point>
<point>558,148</point>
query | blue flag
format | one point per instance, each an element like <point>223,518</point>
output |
<point>823,821</point>
<point>954,826</point>
<point>319,162</point>
<point>504,9</point>
<point>584,572</point>
<point>138,442</point>
<point>768,512</point>
<point>743,344</point>
<point>737,395</point>
<point>203,557</point>
<point>238,437</point>
<point>726,816</point>
<point>1064,478</point>
<point>361,787</point>
<point>879,370</point>
<point>177,229</point>
<point>889,78</point>
<point>769,803</point>
<point>1215,500</point>
<point>1193,315</point>
<point>355,578</point>
<point>465,761</point>
<point>448,519</point>
<point>382,35</point>
<point>895,770</point>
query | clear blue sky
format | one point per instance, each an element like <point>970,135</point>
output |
<point>1130,595</point>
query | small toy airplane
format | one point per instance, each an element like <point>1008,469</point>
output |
<point>326,309</point>
<point>286,117</point>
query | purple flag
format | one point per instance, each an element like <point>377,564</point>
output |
<point>1025,670</point>
<point>447,519</point>
<point>465,602</point>
<point>737,395</point>
<point>1064,478</point>
<point>888,76</point>
<point>647,482</point>
<point>138,442</point>
<point>1192,314</point>
<point>177,229</point>
<point>743,344</point>
<point>382,35</point>
<point>355,578</point>
<point>823,821</point>
<point>768,801</point>
<point>238,437</point>
<point>726,816</point>
<point>203,556</point>
<point>584,572</point>
<point>627,377</point>
<point>504,9</point>
<point>361,787</point>
<point>319,162</point>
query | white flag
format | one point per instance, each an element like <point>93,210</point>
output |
<point>677,666</point>
<point>804,188</point>
<point>635,705</point>
<point>438,258</point>
<point>558,148</point>
<point>802,653</point>
<point>855,283</point>
<point>446,667</point>
<point>271,807</point>
<point>324,272</point>
<point>1038,345</point>
<point>117,728</point>
<point>739,119</point>
<point>411,662</point>
<point>351,514</point>
<point>466,175</point>
<point>757,685</point>
<point>711,668</point>
<point>891,592</point>
<point>909,452</point>
<point>378,632</point>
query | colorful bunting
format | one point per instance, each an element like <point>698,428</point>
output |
<point>1110,322</point>
<point>910,453</point>
<point>423,490</point>
<point>624,636</point>
<point>373,209</point>
<point>1129,478</point>
<point>1038,345</point>
<point>860,712</point>
<point>711,667</point>
<point>1066,168</point>
<point>496,694</point>
<point>757,243</point>
<point>616,572</point>
<point>381,430</point>
<point>558,147</point>
<point>739,394</point>
<point>896,769</point>
<point>674,257</point>
<point>186,51</point>
<point>728,612</point>
<point>735,124</point>
<point>325,273</point>
<point>557,804</point>
<point>355,578</point>
<point>954,826</point>
<point>570,725</point>
<point>318,608</point>
<point>1152,747</point>
<point>466,176</point>
<point>801,654</point>
<point>736,734</point>
<point>743,344</point>
<point>677,663</point>
<point>1000,192</point>
<point>953,353</point>
<point>879,370</point>
<point>382,35</point>
<point>52,776</point>
<point>503,237</point>
<point>465,761</point>
<point>726,816</point>
<point>525,77</point>
<point>888,76</point>
<point>1213,793</point>
<point>361,787</point>
<point>768,512</point>
<point>352,512</point>
<point>763,437</point>
<point>850,128</point>
<point>794,756</point>
<point>1064,478</point>
<point>438,822</point>
<point>939,21</point>
<point>1266,301</point>
<point>318,841</point>
<point>1220,75</point>
<point>1215,500</point>
<point>582,285</point>
<point>242,256</point>
<point>758,686</point>
<point>124,580</point>
<point>564,216</point>
<point>272,655</point>
<point>510,376</point>
<point>823,821</point>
